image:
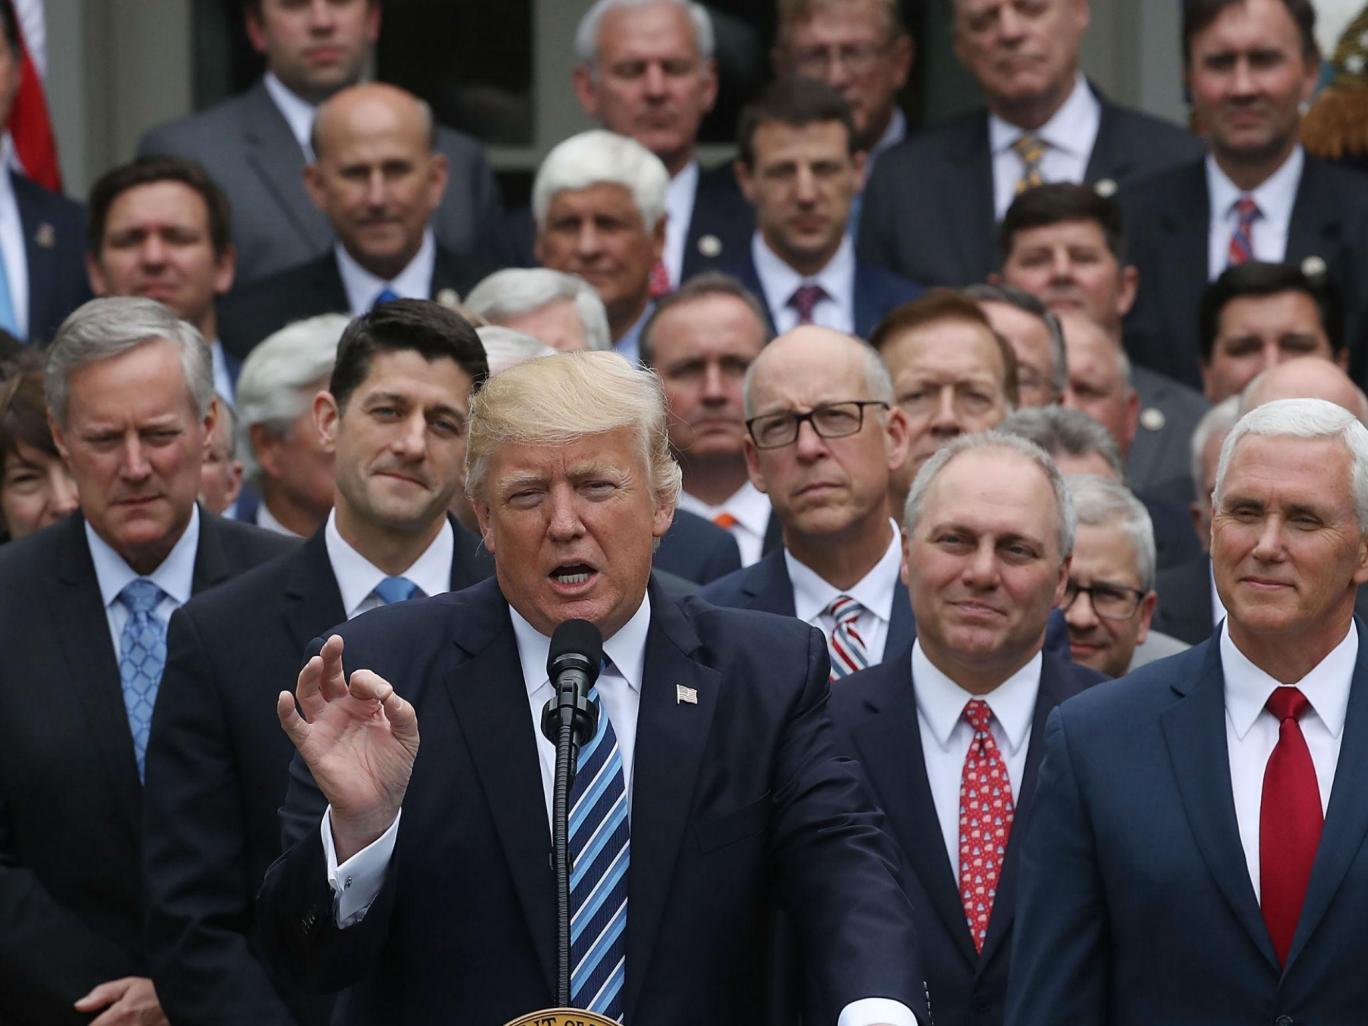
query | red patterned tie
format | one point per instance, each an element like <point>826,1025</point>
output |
<point>805,299</point>
<point>1290,821</point>
<point>847,648</point>
<point>660,280</point>
<point>1242,238</point>
<point>985,821</point>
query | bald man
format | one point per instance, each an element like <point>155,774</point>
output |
<point>1307,377</point>
<point>378,180</point>
<point>823,439</point>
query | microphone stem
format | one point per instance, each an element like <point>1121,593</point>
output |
<point>560,818</point>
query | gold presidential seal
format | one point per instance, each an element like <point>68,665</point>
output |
<point>563,1017</point>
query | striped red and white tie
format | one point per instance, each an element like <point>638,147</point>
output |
<point>847,648</point>
<point>1242,238</point>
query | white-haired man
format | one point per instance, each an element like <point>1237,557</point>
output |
<point>288,470</point>
<point>1199,826</point>
<point>646,70</point>
<point>988,534</point>
<point>599,204</point>
<point>561,310</point>
<point>85,607</point>
<point>711,720</point>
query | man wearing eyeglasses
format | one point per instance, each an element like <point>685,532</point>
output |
<point>823,438</point>
<point>949,729</point>
<point>1109,599</point>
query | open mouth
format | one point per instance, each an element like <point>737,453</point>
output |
<point>573,575</point>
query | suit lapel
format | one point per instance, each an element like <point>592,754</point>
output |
<point>211,562</point>
<point>489,698</point>
<point>1194,728</point>
<point>311,593</point>
<point>1346,819</point>
<point>273,154</point>
<point>79,613</point>
<point>768,586</point>
<point>902,629</point>
<point>1183,271</point>
<point>40,251</point>
<point>890,749</point>
<point>669,749</point>
<point>1313,228</point>
<point>1110,157</point>
<point>974,230</point>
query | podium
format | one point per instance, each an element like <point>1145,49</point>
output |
<point>562,1017</point>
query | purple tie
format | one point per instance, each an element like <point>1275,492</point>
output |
<point>805,299</point>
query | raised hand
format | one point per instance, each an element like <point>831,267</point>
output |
<point>131,1001</point>
<point>359,740</point>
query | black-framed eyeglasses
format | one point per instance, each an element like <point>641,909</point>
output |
<point>833,420</point>
<point>1109,601</point>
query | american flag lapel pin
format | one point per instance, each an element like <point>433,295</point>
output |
<point>685,696</point>
<point>44,236</point>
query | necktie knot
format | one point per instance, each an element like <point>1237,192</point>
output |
<point>844,609</point>
<point>387,295</point>
<point>979,714</point>
<point>396,589</point>
<point>805,299</point>
<point>1246,209</point>
<point>725,521</point>
<point>1030,149</point>
<point>659,281</point>
<point>141,595</point>
<point>1287,703</point>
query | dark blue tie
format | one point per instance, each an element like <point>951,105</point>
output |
<point>142,656</point>
<point>387,295</point>
<point>600,849</point>
<point>396,589</point>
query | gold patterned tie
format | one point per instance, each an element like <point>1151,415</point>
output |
<point>1030,149</point>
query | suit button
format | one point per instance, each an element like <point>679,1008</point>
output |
<point>1283,1020</point>
<point>980,1003</point>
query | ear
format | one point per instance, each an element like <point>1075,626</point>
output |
<point>1132,420</point>
<point>326,416</point>
<point>266,449</point>
<point>96,275</point>
<point>757,477</point>
<point>373,23</point>
<point>1195,513</point>
<point>661,518</point>
<point>226,271</point>
<point>861,162</point>
<point>1062,583</point>
<point>313,183</point>
<point>1361,572</point>
<point>481,509</point>
<point>586,89</point>
<point>744,180</point>
<point>1130,285</point>
<point>904,573</point>
<point>439,171</point>
<point>709,73</point>
<point>234,482</point>
<point>58,438</point>
<point>904,53</point>
<point>211,417</point>
<point>1146,614</point>
<point>256,32</point>
<point>1342,359</point>
<point>898,433</point>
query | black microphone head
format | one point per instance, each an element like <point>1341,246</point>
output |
<point>577,644</point>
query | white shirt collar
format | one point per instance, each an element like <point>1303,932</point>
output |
<point>175,575</point>
<point>266,520</point>
<point>413,282</point>
<point>1275,196</point>
<point>874,591</point>
<point>626,649</point>
<point>1326,687</point>
<point>779,280</point>
<point>1073,128</point>
<point>748,504</point>
<point>297,111</point>
<point>357,576</point>
<point>679,206</point>
<point>941,701</point>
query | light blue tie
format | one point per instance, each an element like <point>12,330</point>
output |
<point>600,850</point>
<point>142,656</point>
<point>397,589</point>
<point>387,295</point>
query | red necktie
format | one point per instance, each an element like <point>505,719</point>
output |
<point>1290,821</point>
<point>985,821</point>
<point>659,280</point>
<point>1242,238</point>
<point>805,299</point>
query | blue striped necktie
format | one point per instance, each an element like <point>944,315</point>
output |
<point>599,848</point>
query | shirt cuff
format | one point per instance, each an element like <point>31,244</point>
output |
<point>871,1011</point>
<point>356,883</point>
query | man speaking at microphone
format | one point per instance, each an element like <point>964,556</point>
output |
<point>418,877</point>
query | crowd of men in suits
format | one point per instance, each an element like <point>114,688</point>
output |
<point>872,454</point>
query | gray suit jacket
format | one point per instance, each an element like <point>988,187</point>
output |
<point>246,145</point>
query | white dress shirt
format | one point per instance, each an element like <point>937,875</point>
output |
<point>223,381</point>
<point>357,576</point>
<point>413,282</point>
<point>175,576</point>
<point>1275,199</point>
<point>946,734</point>
<point>1252,731</point>
<point>356,882</point>
<point>749,507</point>
<point>1068,137</point>
<point>1218,610</point>
<point>679,205</point>
<point>297,112</point>
<point>874,593</point>
<point>778,281</point>
<point>14,254</point>
<point>266,520</point>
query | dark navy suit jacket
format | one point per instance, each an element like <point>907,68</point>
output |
<point>54,230</point>
<point>875,712</point>
<point>696,549</point>
<point>737,799</point>
<point>1135,900</point>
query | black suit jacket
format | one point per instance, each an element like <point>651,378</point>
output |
<point>875,712</point>
<point>928,209</point>
<point>54,230</point>
<point>217,765</point>
<point>252,313</point>
<point>71,908</point>
<point>696,549</point>
<point>735,798</point>
<point>1168,221</point>
<point>1135,904</point>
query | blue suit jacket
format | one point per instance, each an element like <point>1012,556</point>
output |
<point>54,230</point>
<point>696,549</point>
<point>1136,904</point>
<point>736,800</point>
<point>875,712</point>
